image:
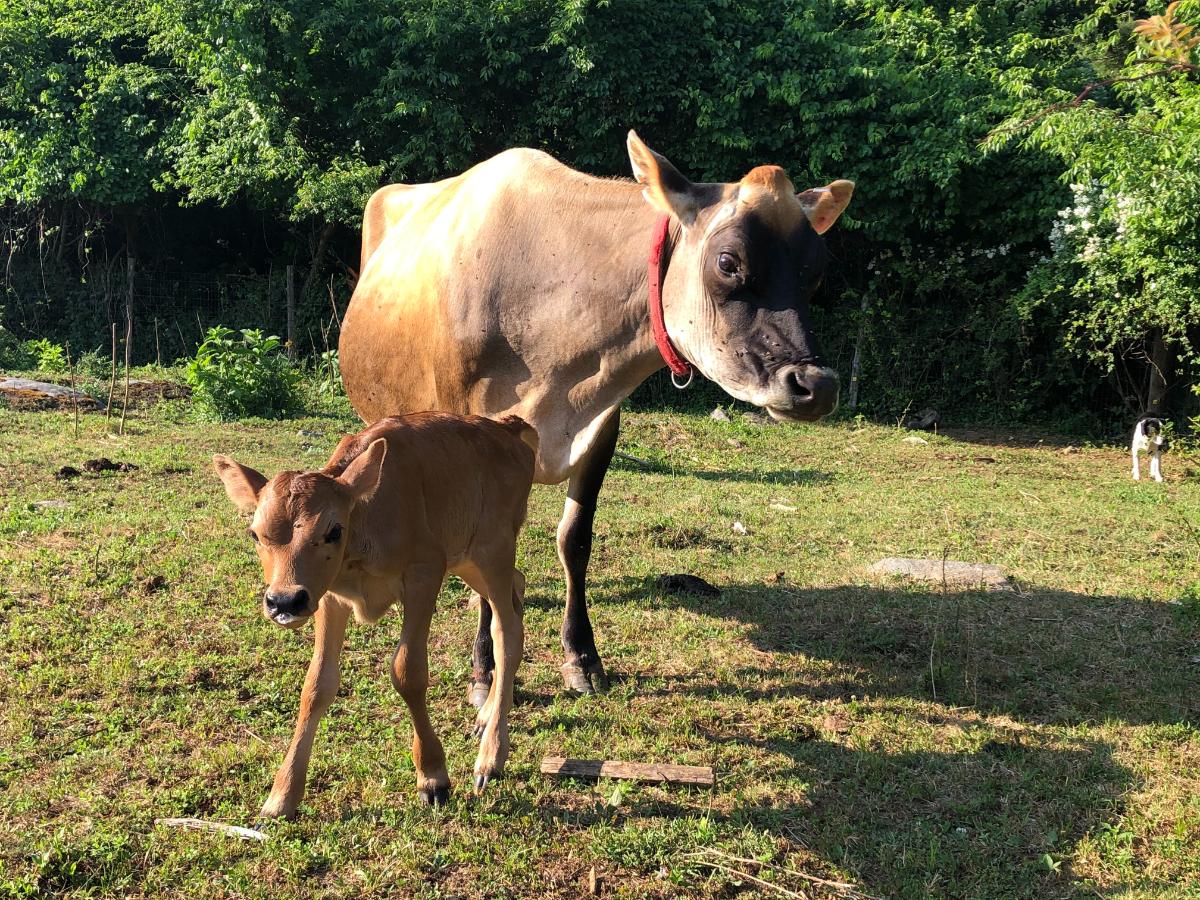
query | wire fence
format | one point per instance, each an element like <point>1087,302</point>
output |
<point>165,314</point>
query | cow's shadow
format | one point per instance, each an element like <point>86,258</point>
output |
<point>1001,801</point>
<point>1044,656</point>
<point>626,463</point>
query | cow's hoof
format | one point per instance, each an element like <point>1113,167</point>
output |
<point>437,795</point>
<point>586,679</point>
<point>477,693</point>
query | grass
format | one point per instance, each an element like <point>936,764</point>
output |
<point>909,740</point>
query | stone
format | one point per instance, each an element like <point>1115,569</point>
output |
<point>954,572</point>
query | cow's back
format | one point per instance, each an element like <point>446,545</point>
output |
<point>493,293</point>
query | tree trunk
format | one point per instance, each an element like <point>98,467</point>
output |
<point>1160,374</point>
<point>856,364</point>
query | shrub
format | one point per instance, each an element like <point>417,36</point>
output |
<point>47,355</point>
<point>14,354</point>
<point>240,374</point>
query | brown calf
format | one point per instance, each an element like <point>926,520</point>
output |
<point>397,507</point>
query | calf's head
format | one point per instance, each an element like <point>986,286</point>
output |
<point>736,298</point>
<point>300,525</point>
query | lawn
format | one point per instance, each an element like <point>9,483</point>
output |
<point>908,740</point>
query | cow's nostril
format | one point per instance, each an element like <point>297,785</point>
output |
<point>796,385</point>
<point>295,603</point>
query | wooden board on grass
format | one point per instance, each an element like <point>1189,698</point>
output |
<point>630,771</point>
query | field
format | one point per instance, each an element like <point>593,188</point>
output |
<point>911,741</point>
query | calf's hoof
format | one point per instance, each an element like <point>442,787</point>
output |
<point>585,679</point>
<point>435,795</point>
<point>477,692</point>
<point>484,779</point>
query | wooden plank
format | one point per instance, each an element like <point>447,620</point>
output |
<point>629,771</point>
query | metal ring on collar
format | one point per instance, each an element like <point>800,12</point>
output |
<point>691,375</point>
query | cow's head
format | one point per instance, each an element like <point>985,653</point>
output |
<point>300,527</point>
<point>736,297</point>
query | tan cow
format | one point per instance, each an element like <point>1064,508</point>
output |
<point>396,507</point>
<point>521,287</point>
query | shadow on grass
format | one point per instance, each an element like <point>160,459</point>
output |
<point>775,476</point>
<point>997,811</point>
<point>1041,656</point>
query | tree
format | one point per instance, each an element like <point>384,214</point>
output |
<point>1123,274</point>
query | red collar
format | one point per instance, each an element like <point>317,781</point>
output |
<point>674,359</point>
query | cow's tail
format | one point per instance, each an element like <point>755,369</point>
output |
<point>522,429</point>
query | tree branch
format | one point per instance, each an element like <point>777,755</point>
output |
<point>1078,99</point>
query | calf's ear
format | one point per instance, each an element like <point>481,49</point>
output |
<point>823,205</point>
<point>242,483</point>
<point>662,185</point>
<point>363,474</point>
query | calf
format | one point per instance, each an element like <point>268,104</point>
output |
<point>396,507</point>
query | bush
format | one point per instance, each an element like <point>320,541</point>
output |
<point>240,374</point>
<point>14,354</point>
<point>48,356</point>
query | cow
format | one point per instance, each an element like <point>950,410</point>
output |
<point>522,287</point>
<point>397,506</point>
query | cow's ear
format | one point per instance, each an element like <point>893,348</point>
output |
<point>242,484</point>
<point>363,474</point>
<point>824,205</point>
<point>662,185</point>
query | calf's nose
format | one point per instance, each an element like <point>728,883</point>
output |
<point>290,603</point>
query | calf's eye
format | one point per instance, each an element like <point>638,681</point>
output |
<point>727,263</point>
<point>334,535</point>
<point>253,536</point>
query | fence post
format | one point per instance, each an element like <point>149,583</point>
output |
<point>291,312</point>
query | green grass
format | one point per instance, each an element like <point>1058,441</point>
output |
<point>912,741</point>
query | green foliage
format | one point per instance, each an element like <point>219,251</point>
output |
<point>1124,119</point>
<point>47,356</point>
<point>292,111</point>
<point>14,354</point>
<point>240,374</point>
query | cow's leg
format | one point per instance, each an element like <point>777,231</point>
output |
<point>320,687</point>
<point>508,638</point>
<point>582,670</point>
<point>410,677</point>
<point>482,659</point>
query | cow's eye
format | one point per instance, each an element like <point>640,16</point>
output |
<point>253,536</point>
<point>334,535</point>
<point>727,263</point>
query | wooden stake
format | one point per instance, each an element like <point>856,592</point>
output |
<point>112,382</point>
<point>291,312</point>
<point>128,340</point>
<point>629,771</point>
<point>74,395</point>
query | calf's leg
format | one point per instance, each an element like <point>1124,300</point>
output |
<point>410,676</point>
<point>508,638</point>
<point>320,687</point>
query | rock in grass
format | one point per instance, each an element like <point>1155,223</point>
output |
<point>953,572</point>
<point>719,415</point>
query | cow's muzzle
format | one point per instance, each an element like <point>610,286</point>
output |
<point>288,609</point>
<point>802,393</point>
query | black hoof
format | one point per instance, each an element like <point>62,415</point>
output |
<point>482,781</point>
<point>586,679</point>
<point>435,796</point>
<point>477,693</point>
